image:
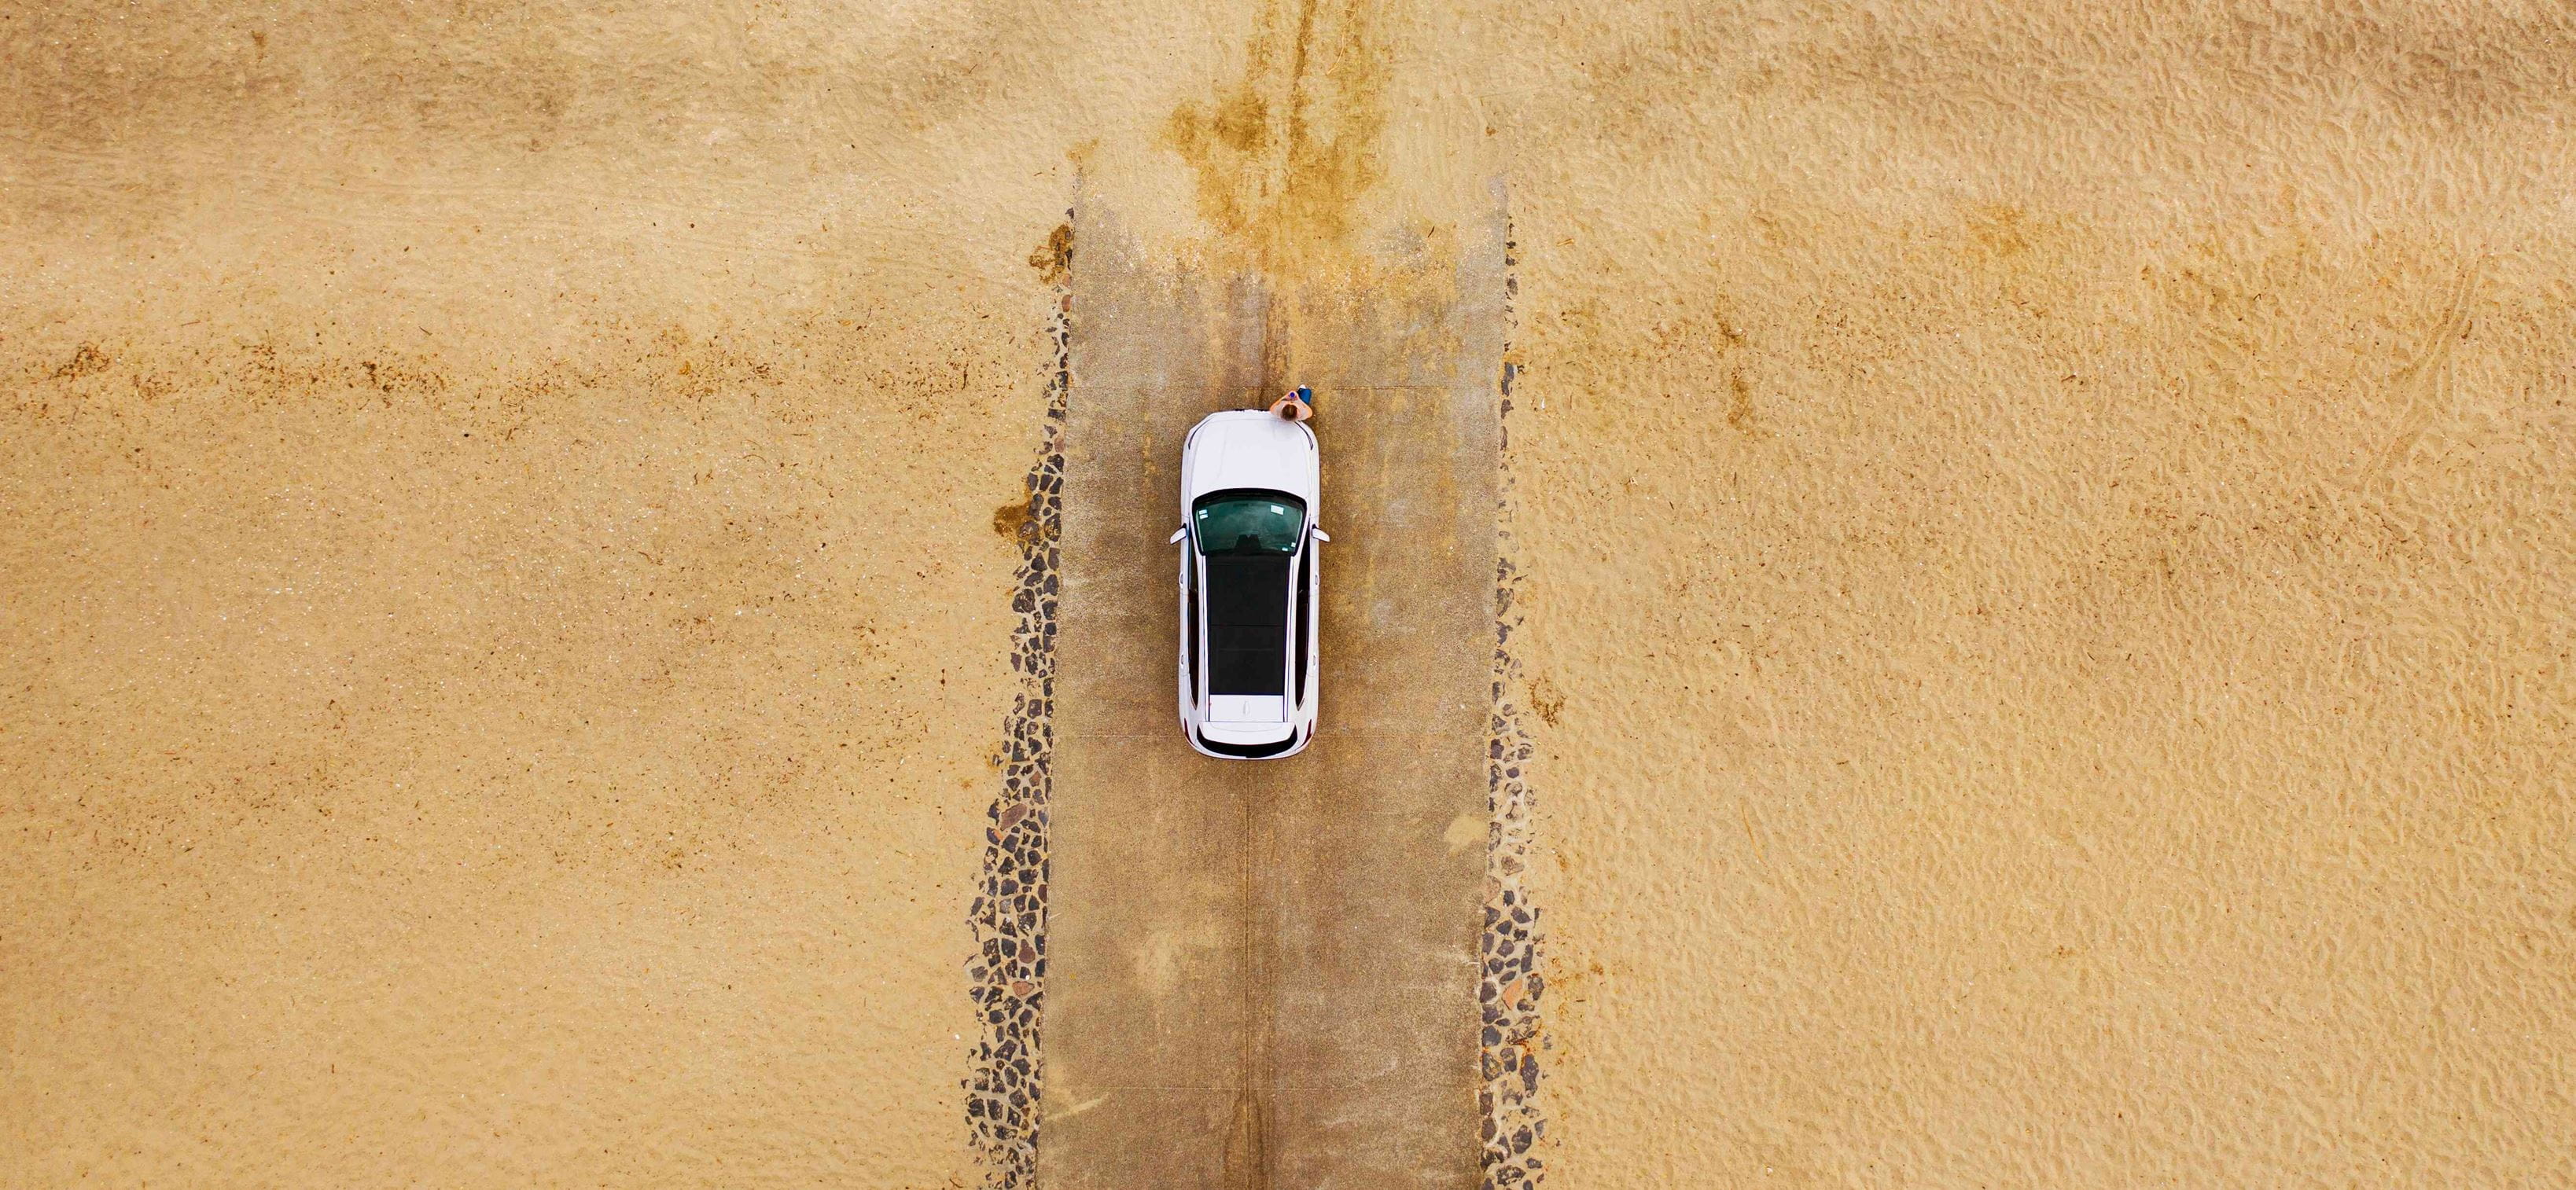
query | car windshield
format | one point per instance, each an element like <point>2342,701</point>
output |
<point>1244,524</point>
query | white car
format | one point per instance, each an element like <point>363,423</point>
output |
<point>1249,576</point>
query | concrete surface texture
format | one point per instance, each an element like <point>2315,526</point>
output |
<point>1264,974</point>
<point>2043,539</point>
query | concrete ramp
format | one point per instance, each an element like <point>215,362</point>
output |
<point>1264,973</point>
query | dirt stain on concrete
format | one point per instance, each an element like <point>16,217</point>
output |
<point>1054,259</point>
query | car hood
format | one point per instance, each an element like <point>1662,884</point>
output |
<point>1250,449</point>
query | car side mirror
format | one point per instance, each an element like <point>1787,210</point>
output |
<point>1320,535</point>
<point>1178,534</point>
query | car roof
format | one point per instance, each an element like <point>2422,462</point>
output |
<point>1247,623</point>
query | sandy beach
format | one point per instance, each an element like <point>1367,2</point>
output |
<point>2037,550</point>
